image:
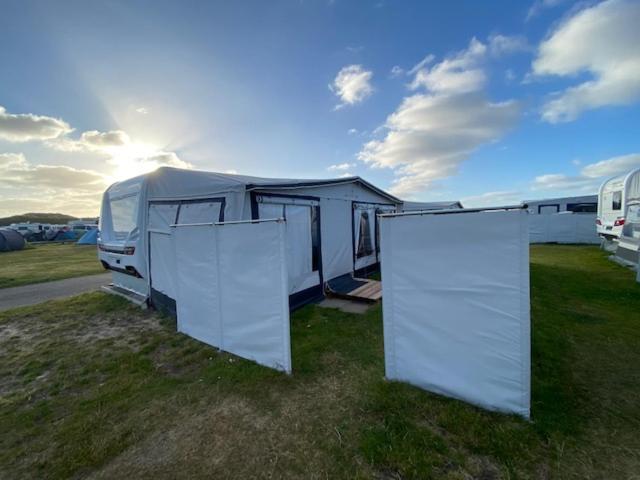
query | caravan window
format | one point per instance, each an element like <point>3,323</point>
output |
<point>365,244</point>
<point>582,207</point>
<point>124,212</point>
<point>616,200</point>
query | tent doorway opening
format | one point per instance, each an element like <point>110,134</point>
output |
<point>303,240</point>
<point>366,236</point>
<point>162,263</point>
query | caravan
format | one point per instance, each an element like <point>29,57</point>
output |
<point>331,226</point>
<point>615,195</point>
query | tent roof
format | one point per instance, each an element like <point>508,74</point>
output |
<point>578,199</point>
<point>11,240</point>
<point>169,181</point>
<point>409,206</point>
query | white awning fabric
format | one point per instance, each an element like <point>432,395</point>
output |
<point>456,311</point>
<point>563,228</point>
<point>232,290</point>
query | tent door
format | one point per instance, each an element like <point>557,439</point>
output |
<point>162,263</point>
<point>366,233</point>
<point>302,239</point>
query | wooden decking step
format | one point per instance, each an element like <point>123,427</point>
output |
<point>361,289</point>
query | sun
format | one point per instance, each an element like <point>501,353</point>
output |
<point>133,159</point>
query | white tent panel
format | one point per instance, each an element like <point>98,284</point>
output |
<point>162,263</point>
<point>162,216</point>
<point>456,312</point>
<point>563,228</point>
<point>254,297</point>
<point>232,289</point>
<point>197,299</point>
<point>298,240</point>
<point>337,249</point>
<point>206,211</point>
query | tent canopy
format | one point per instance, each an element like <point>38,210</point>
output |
<point>169,182</point>
<point>415,206</point>
<point>89,238</point>
<point>10,240</point>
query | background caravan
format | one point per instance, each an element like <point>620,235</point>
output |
<point>331,230</point>
<point>614,197</point>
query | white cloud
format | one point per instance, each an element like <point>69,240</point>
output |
<point>459,73</point>
<point>612,166</point>
<point>431,133</point>
<point>539,5</point>
<point>346,175</point>
<point>128,157</point>
<point>92,140</point>
<point>421,64</point>
<point>27,126</point>
<point>509,75</point>
<point>352,131</point>
<point>142,110</point>
<point>492,199</point>
<point>396,71</point>
<point>11,160</point>
<point>590,176</point>
<point>501,45</point>
<point>340,167</point>
<point>15,170</point>
<point>352,85</point>
<point>62,187</point>
<point>602,40</point>
<point>557,181</point>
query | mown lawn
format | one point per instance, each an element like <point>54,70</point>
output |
<point>92,387</point>
<point>45,262</point>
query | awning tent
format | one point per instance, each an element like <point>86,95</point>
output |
<point>323,227</point>
<point>10,240</point>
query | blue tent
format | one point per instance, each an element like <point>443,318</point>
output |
<point>65,235</point>
<point>89,238</point>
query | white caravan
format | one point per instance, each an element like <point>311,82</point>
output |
<point>615,195</point>
<point>550,206</point>
<point>332,228</point>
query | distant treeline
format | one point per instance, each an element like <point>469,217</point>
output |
<point>54,218</point>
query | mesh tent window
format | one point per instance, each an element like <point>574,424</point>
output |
<point>365,245</point>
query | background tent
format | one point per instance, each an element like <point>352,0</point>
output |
<point>10,240</point>
<point>89,238</point>
<point>65,235</point>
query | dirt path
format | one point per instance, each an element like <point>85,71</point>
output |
<point>41,292</point>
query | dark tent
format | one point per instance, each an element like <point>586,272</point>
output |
<point>10,240</point>
<point>89,238</point>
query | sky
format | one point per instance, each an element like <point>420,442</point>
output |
<point>490,103</point>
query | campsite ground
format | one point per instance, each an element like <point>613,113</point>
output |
<point>93,387</point>
<point>46,262</point>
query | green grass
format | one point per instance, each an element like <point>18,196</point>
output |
<point>93,387</point>
<point>46,262</point>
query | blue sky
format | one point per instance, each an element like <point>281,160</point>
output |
<point>516,100</point>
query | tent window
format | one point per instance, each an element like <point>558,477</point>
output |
<point>123,215</point>
<point>616,200</point>
<point>365,244</point>
<point>315,238</point>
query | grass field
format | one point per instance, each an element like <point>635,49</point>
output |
<point>91,387</point>
<point>45,262</point>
